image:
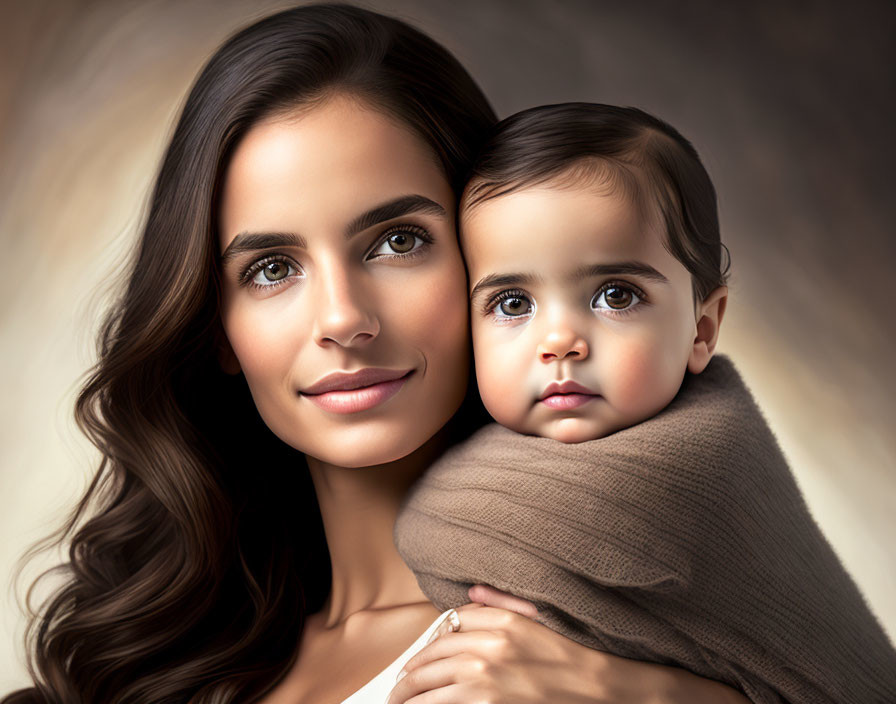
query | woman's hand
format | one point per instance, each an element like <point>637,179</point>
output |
<point>499,655</point>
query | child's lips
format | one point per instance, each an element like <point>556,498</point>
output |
<point>564,402</point>
<point>566,395</point>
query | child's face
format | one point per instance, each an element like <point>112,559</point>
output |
<point>583,323</point>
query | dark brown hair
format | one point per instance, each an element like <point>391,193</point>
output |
<point>636,153</point>
<point>198,548</point>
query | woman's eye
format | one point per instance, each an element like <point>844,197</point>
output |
<point>270,272</point>
<point>400,242</point>
<point>616,298</point>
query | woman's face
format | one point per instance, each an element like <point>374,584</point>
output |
<point>344,292</point>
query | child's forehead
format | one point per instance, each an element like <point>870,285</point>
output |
<point>599,175</point>
<point>610,184</point>
<point>534,222</point>
<point>561,239</point>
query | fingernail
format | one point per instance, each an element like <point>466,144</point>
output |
<point>400,675</point>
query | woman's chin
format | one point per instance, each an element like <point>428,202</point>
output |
<point>368,450</point>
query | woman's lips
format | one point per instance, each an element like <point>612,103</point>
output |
<point>565,395</point>
<point>359,391</point>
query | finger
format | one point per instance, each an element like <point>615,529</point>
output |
<point>486,618</point>
<point>451,645</point>
<point>482,629</point>
<point>452,694</point>
<point>434,676</point>
<point>489,596</point>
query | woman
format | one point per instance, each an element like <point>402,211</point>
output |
<point>298,257</point>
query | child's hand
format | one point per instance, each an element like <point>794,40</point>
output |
<point>489,596</point>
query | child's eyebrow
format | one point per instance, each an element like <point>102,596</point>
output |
<point>630,268</point>
<point>499,280</point>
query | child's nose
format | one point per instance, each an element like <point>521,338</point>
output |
<point>562,344</point>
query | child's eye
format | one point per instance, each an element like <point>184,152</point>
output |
<point>509,305</point>
<point>514,306</point>
<point>616,298</point>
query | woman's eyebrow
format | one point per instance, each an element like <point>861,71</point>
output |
<point>251,242</point>
<point>403,205</point>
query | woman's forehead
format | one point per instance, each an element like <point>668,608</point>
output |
<point>322,167</point>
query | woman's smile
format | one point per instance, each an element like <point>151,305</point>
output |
<point>342,392</point>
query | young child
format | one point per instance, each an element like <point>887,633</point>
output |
<point>665,524</point>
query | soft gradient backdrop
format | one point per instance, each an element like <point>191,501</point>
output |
<point>792,109</point>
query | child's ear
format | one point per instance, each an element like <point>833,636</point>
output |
<point>709,318</point>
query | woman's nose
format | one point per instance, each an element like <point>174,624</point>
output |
<point>562,343</point>
<point>344,314</point>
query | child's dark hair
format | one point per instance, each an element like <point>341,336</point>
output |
<point>647,158</point>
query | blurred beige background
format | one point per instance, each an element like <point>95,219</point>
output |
<point>792,109</point>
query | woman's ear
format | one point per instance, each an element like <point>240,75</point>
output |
<point>709,318</point>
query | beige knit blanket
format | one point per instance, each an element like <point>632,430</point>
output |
<point>683,540</point>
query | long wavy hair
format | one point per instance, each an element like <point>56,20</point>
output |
<point>198,548</point>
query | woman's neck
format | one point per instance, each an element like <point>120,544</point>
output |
<point>359,506</point>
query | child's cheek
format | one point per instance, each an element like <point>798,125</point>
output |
<point>501,374</point>
<point>644,378</point>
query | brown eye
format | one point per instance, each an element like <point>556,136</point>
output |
<point>515,306</point>
<point>270,273</point>
<point>275,271</point>
<point>401,242</point>
<point>616,298</point>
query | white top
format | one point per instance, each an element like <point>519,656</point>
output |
<point>377,690</point>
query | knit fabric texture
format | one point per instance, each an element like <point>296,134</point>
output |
<point>683,540</point>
